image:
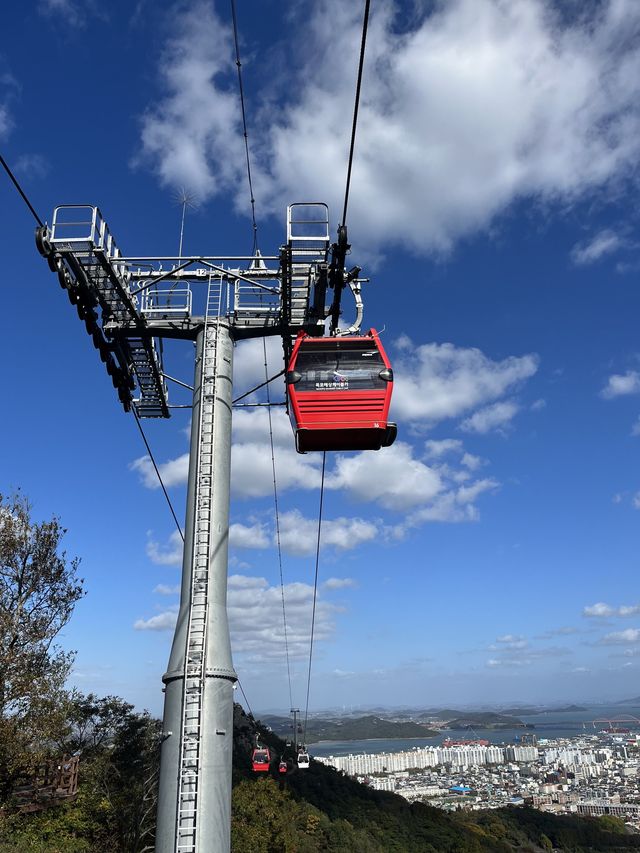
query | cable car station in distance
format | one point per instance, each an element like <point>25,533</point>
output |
<point>339,390</point>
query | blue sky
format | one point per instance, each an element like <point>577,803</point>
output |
<point>491,555</point>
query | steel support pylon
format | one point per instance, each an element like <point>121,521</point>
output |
<point>194,800</point>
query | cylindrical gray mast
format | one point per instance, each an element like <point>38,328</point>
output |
<point>194,801</point>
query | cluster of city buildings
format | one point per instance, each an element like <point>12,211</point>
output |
<point>591,775</point>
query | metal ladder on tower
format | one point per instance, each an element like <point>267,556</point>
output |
<point>195,664</point>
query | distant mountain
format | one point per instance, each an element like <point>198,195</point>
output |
<point>349,728</point>
<point>472,719</point>
<point>635,701</point>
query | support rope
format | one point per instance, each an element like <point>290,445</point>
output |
<point>315,596</point>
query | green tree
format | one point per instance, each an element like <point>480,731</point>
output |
<point>39,588</point>
<point>119,764</point>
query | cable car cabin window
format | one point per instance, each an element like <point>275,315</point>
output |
<point>346,369</point>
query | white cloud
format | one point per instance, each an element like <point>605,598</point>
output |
<point>340,583</point>
<point>600,610</point>
<point>9,90</point>
<point>251,471</point>
<point>480,104</point>
<point>436,449</point>
<point>73,13</point>
<point>438,381</point>
<point>165,621</point>
<point>298,535</point>
<point>249,536</point>
<point>248,366</point>
<point>165,589</point>
<point>512,642</point>
<point>31,165</point>
<point>629,635</point>
<point>497,416</point>
<point>5,121</point>
<point>619,385</point>
<point>191,134</point>
<point>256,621</point>
<point>472,462</point>
<point>173,473</point>
<point>468,494</point>
<point>508,662</point>
<point>393,478</point>
<point>603,243</point>
<point>636,500</point>
<point>165,555</point>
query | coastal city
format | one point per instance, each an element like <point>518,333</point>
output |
<point>596,774</point>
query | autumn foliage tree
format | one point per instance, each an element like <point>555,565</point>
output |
<point>39,588</point>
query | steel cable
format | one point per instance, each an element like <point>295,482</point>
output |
<point>157,470</point>
<point>277,514</point>
<point>365,26</point>
<point>244,127</point>
<point>315,596</point>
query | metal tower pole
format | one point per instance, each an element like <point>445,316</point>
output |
<point>194,801</point>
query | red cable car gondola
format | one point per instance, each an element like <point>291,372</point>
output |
<point>282,767</point>
<point>261,759</point>
<point>339,393</point>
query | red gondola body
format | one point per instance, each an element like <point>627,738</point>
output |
<point>261,759</point>
<point>339,393</point>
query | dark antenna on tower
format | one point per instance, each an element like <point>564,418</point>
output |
<point>184,199</point>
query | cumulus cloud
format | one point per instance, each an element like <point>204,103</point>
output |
<point>165,555</point>
<point>495,417</point>
<point>298,535</point>
<point>165,621</point>
<point>603,243</point>
<point>438,381</point>
<point>619,385</point>
<point>249,535</point>
<point>248,366</point>
<point>173,473</point>
<point>600,610</point>
<point>471,462</point>
<point>629,635</point>
<point>436,449</point>
<point>256,621</point>
<point>395,478</point>
<point>190,135</point>
<point>478,104</point>
<point>251,471</point>
<point>340,583</point>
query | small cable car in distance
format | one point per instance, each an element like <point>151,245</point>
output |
<point>282,767</point>
<point>303,760</point>
<point>261,759</point>
<point>339,392</point>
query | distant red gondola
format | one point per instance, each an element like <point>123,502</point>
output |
<point>261,759</point>
<point>282,767</point>
<point>339,393</point>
